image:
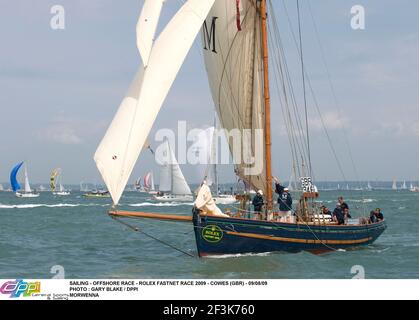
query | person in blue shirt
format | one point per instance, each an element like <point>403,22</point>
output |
<point>284,199</point>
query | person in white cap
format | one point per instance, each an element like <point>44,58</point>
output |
<point>284,199</point>
<point>258,204</point>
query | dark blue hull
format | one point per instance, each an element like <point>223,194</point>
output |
<point>220,236</point>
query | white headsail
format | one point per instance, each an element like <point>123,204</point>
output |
<point>233,57</point>
<point>125,138</point>
<point>146,27</point>
<point>27,185</point>
<point>171,177</point>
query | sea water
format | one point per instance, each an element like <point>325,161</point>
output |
<point>74,234</point>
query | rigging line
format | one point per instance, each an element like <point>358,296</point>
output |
<point>280,48</point>
<point>136,229</point>
<point>301,143</point>
<point>304,85</point>
<point>290,82</point>
<point>284,109</point>
<point>287,116</point>
<point>332,88</point>
<point>316,103</point>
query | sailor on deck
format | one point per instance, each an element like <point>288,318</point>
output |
<point>258,204</point>
<point>284,199</point>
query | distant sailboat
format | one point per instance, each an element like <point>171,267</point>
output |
<point>173,185</point>
<point>139,187</point>
<point>27,192</point>
<point>83,187</point>
<point>404,186</point>
<point>413,188</point>
<point>149,183</point>
<point>394,186</point>
<point>369,187</point>
<point>1,187</point>
<point>56,179</point>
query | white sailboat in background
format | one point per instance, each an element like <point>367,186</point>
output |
<point>404,186</point>
<point>173,185</point>
<point>394,186</point>
<point>27,192</point>
<point>413,188</point>
<point>83,187</point>
<point>369,187</point>
<point>1,187</point>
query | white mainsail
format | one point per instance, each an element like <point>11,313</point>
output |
<point>172,179</point>
<point>27,185</point>
<point>127,134</point>
<point>233,56</point>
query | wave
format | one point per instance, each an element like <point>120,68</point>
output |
<point>239,255</point>
<point>160,204</point>
<point>38,205</point>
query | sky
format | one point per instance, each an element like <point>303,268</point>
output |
<point>59,89</point>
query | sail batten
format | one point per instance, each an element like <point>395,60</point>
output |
<point>126,136</point>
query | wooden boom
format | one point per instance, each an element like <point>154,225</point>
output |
<point>146,215</point>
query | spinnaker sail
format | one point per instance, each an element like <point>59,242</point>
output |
<point>53,179</point>
<point>13,177</point>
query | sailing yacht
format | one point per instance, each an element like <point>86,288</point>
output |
<point>404,186</point>
<point>27,191</point>
<point>1,187</point>
<point>394,186</point>
<point>149,183</point>
<point>139,187</point>
<point>173,185</point>
<point>413,188</point>
<point>56,179</point>
<point>240,28</point>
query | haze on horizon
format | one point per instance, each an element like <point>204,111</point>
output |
<point>59,89</point>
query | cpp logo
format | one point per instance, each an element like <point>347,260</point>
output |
<point>20,287</point>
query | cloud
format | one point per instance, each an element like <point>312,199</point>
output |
<point>330,120</point>
<point>61,132</point>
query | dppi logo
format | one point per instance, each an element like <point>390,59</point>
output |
<point>20,287</point>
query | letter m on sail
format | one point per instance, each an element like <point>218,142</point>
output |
<point>209,35</point>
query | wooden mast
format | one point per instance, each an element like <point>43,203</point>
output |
<point>268,142</point>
